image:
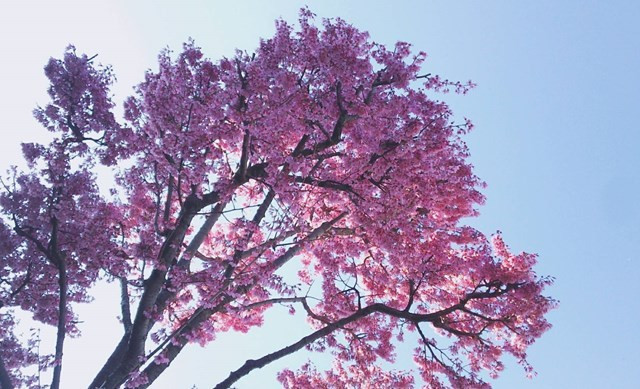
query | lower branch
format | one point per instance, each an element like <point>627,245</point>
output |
<point>253,364</point>
<point>434,317</point>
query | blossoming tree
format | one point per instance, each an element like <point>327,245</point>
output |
<point>321,152</point>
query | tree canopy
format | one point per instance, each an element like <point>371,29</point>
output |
<point>321,152</point>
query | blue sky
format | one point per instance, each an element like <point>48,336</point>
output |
<point>556,139</point>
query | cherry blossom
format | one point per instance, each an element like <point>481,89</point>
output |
<point>321,151</point>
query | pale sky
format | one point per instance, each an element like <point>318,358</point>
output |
<point>556,139</point>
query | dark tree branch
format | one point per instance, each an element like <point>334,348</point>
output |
<point>78,136</point>
<point>376,83</point>
<point>125,305</point>
<point>167,204</point>
<point>429,345</point>
<point>241,175</point>
<point>336,134</point>
<point>174,347</point>
<point>257,218</point>
<point>343,231</point>
<point>242,100</point>
<point>5,378</point>
<point>318,125</point>
<point>413,286</point>
<point>23,233</point>
<point>60,262</point>
<point>168,293</point>
<point>315,234</point>
<point>209,199</point>
<point>492,291</point>
<point>23,284</point>
<point>126,356</point>
<point>113,360</point>
<point>204,230</point>
<point>278,300</point>
<point>321,319</point>
<point>61,327</point>
<point>153,286</point>
<point>264,206</point>
<point>329,184</point>
<point>157,191</point>
<point>253,364</point>
<point>300,146</point>
<point>270,243</point>
<point>412,293</point>
<point>435,318</point>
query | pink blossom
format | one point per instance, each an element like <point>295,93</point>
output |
<point>321,149</point>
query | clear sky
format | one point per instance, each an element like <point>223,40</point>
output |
<point>556,139</point>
